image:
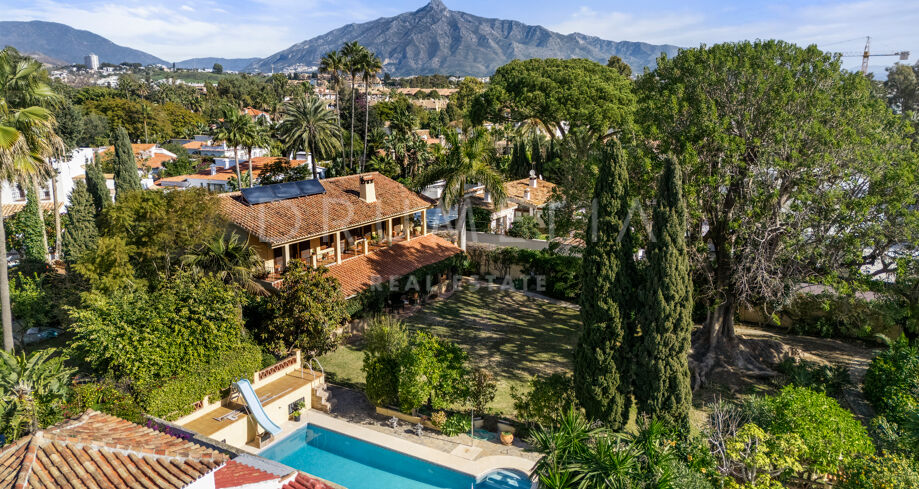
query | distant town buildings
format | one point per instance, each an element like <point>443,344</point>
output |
<point>91,61</point>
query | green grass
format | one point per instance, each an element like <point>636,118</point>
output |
<point>513,336</point>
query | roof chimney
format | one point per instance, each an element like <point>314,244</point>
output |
<point>532,179</point>
<point>213,169</point>
<point>368,189</point>
<point>526,194</point>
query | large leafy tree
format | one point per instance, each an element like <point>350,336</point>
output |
<point>80,232</point>
<point>306,311</point>
<point>560,94</point>
<point>230,259</point>
<point>603,356</point>
<point>795,172</point>
<point>662,387</point>
<point>127,179</point>
<point>308,124</point>
<point>27,138</point>
<point>467,162</point>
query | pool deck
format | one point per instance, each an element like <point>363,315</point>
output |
<point>475,468</point>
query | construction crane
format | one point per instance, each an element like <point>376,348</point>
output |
<point>904,55</point>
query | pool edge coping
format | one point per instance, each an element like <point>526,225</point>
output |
<point>474,468</point>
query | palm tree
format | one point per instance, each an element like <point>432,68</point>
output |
<point>233,130</point>
<point>370,66</point>
<point>230,259</point>
<point>466,163</point>
<point>352,53</point>
<point>333,63</point>
<point>26,138</point>
<point>33,383</point>
<point>307,122</point>
<point>257,135</point>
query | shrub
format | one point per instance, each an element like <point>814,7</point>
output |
<point>821,378</point>
<point>382,380</point>
<point>456,424</point>
<point>546,400</point>
<point>524,227</point>
<point>892,381</point>
<point>433,371</point>
<point>561,273</point>
<point>482,389</point>
<point>104,397</point>
<point>438,418</point>
<point>175,397</point>
<point>830,434</point>
<point>879,472</point>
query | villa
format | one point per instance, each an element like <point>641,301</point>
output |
<point>365,228</point>
<point>525,197</point>
<point>69,170</point>
<point>217,176</point>
<point>150,158</point>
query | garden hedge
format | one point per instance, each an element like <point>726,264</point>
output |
<point>176,397</point>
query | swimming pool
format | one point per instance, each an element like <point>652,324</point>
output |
<point>356,464</point>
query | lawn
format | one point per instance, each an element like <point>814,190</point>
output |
<point>512,335</point>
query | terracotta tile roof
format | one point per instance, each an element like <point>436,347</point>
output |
<point>101,451</point>
<point>395,261</point>
<point>235,474</point>
<point>225,174</point>
<point>137,148</point>
<point>340,207</point>
<point>11,209</point>
<point>303,481</point>
<point>194,144</point>
<point>539,196</point>
<point>156,161</point>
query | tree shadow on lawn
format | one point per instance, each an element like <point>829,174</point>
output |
<point>512,335</point>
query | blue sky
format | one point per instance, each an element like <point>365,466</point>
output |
<point>180,29</point>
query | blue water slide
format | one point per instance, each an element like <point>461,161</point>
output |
<point>255,406</point>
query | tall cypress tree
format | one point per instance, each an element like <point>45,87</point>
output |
<point>29,223</point>
<point>95,185</point>
<point>80,232</point>
<point>602,376</point>
<point>662,384</point>
<point>126,177</point>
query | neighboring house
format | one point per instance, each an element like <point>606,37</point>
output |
<point>443,92</point>
<point>150,159</point>
<point>256,114</point>
<point>425,135</point>
<point>98,451</point>
<point>525,197</point>
<point>367,228</point>
<point>217,176</point>
<point>431,104</point>
<point>14,195</point>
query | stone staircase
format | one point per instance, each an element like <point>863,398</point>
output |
<point>322,398</point>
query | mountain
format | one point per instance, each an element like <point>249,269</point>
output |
<point>62,42</point>
<point>434,39</point>
<point>229,64</point>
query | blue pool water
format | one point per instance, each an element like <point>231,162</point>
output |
<point>356,464</point>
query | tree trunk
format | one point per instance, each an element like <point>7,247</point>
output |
<point>57,217</point>
<point>41,218</point>
<point>351,146</point>
<point>461,225</point>
<point>341,135</point>
<point>366,121</point>
<point>239,174</point>
<point>249,170</point>
<point>311,157</point>
<point>6,313</point>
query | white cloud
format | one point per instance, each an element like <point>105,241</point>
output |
<point>187,8</point>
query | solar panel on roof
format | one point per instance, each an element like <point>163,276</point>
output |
<point>282,191</point>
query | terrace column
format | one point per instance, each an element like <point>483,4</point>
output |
<point>406,228</point>
<point>286,255</point>
<point>389,225</point>
<point>424,222</point>
<point>365,246</point>
<point>338,247</point>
